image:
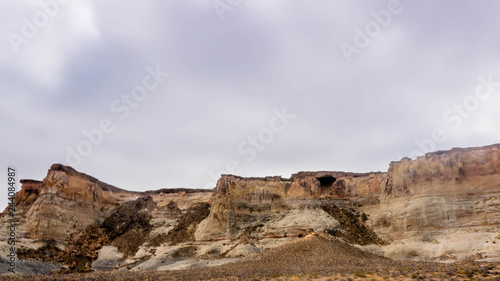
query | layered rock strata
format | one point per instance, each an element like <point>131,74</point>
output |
<point>441,206</point>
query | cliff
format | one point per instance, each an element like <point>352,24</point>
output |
<point>29,193</point>
<point>264,206</point>
<point>65,202</point>
<point>455,167</point>
<point>443,206</point>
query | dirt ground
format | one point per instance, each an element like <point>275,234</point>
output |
<point>318,258</point>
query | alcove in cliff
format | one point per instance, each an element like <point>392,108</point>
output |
<point>326,181</point>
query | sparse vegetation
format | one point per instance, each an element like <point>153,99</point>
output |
<point>359,274</point>
<point>412,253</point>
<point>193,216</point>
<point>352,223</point>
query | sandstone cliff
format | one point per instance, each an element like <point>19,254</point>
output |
<point>29,193</point>
<point>441,206</point>
<point>445,204</point>
<point>274,207</point>
<point>455,167</point>
<point>68,201</point>
<point>69,215</point>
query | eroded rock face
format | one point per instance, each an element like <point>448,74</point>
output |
<point>69,201</point>
<point>274,207</point>
<point>304,185</point>
<point>82,214</point>
<point>29,193</point>
<point>431,202</point>
<point>24,199</point>
<point>440,204</point>
<point>444,205</point>
<point>444,171</point>
<point>341,185</point>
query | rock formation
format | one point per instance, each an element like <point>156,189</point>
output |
<point>441,206</point>
<point>262,204</point>
<point>444,204</point>
<point>65,202</point>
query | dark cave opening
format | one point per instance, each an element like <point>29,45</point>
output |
<point>326,181</point>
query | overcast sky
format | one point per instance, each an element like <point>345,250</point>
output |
<point>315,85</point>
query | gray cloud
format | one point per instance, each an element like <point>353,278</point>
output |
<point>228,76</point>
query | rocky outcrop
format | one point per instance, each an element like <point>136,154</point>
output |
<point>448,170</point>
<point>431,202</point>
<point>304,185</point>
<point>80,214</point>
<point>67,202</point>
<point>127,228</point>
<point>342,185</point>
<point>441,206</point>
<point>29,193</point>
<point>273,207</point>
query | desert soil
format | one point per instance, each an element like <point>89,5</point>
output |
<point>318,258</point>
